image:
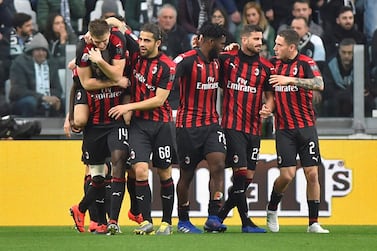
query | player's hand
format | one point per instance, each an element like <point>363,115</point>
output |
<point>117,111</point>
<point>87,38</point>
<point>317,97</point>
<point>124,82</point>
<point>232,47</point>
<point>265,112</point>
<point>95,55</point>
<point>279,80</point>
<point>72,64</point>
<point>67,126</point>
<point>115,22</point>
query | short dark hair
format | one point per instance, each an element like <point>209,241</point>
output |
<point>248,28</point>
<point>290,36</point>
<point>302,18</point>
<point>344,9</point>
<point>302,1</point>
<point>154,29</point>
<point>347,41</point>
<point>210,30</point>
<point>98,27</point>
<point>19,19</point>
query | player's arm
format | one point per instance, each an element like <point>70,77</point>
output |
<point>315,83</point>
<point>91,84</point>
<point>113,71</point>
<point>147,104</point>
<point>269,105</point>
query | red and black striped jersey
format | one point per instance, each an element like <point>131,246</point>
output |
<point>100,102</point>
<point>294,107</point>
<point>148,74</point>
<point>116,49</point>
<point>243,79</point>
<point>198,80</point>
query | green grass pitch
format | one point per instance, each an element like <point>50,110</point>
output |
<point>356,238</point>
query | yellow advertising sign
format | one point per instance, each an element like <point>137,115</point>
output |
<point>42,179</point>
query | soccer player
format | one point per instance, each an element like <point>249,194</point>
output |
<point>150,131</point>
<point>199,135</point>
<point>296,77</point>
<point>103,136</point>
<point>244,80</point>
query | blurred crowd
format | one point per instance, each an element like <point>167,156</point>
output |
<point>34,34</point>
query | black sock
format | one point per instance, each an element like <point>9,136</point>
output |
<point>183,212</point>
<point>228,205</point>
<point>92,208</point>
<point>118,187</point>
<point>131,191</point>
<point>248,181</point>
<point>95,196</point>
<point>239,180</point>
<point>100,202</point>
<point>108,195</point>
<point>144,197</point>
<point>167,199</point>
<point>274,200</point>
<point>214,207</point>
<point>313,206</point>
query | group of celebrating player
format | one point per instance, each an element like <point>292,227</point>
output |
<point>120,103</point>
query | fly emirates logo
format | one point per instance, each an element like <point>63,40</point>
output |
<point>211,84</point>
<point>241,85</point>
<point>107,93</point>
<point>286,88</point>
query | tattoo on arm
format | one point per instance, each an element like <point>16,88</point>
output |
<point>315,83</point>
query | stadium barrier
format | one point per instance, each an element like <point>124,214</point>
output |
<point>41,179</point>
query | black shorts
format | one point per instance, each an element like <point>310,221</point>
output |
<point>242,149</point>
<point>152,141</point>
<point>302,141</point>
<point>195,143</point>
<point>99,142</point>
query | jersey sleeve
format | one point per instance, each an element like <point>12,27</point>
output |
<point>82,54</point>
<point>168,75</point>
<point>119,43</point>
<point>311,69</point>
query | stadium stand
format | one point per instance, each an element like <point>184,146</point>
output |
<point>97,12</point>
<point>25,7</point>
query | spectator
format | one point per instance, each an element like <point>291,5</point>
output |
<point>58,36</point>
<point>220,17</point>
<point>374,57</point>
<point>310,45</point>
<point>6,15</point>
<point>329,8</point>
<point>344,28</point>
<point>370,18</point>
<point>301,8</point>
<point>72,11</point>
<point>339,79</point>
<point>253,14</point>
<point>232,13</point>
<point>35,84</point>
<point>109,9</point>
<point>277,12</point>
<point>192,14</point>
<point>174,42</point>
<point>143,11</point>
<point>21,34</point>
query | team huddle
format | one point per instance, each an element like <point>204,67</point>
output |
<point>119,101</point>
